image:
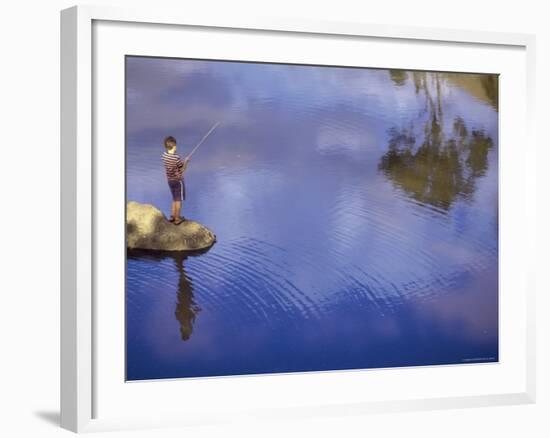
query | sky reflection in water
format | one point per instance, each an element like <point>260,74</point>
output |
<point>356,213</point>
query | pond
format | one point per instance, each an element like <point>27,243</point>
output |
<point>356,214</point>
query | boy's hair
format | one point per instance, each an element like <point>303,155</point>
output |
<point>169,141</point>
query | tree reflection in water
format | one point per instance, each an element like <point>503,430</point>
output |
<point>433,165</point>
<point>186,307</point>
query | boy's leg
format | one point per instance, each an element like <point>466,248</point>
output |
<point>177,209</point>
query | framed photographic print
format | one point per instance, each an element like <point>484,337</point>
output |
<point>280,218</point>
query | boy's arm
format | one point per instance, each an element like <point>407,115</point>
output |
<point>182,164</point>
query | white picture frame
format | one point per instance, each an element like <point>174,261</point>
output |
<point>80,169</point>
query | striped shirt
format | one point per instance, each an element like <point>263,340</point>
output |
<point>173,165</point>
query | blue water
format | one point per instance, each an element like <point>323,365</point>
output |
<point>356,212</point>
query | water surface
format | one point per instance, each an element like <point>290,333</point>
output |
<point>356,212</point>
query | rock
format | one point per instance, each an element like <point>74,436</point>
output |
<point>148,228</point>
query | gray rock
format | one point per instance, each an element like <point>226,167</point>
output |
<point>148,228</point>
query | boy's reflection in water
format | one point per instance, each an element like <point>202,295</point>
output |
<point>186,308</point>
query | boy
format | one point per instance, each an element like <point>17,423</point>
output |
<point>174,167</point>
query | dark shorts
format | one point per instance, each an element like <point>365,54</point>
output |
<point>177,188</point>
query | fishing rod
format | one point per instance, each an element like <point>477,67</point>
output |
<point>202,141</point>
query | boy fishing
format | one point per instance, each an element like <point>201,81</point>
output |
<point>174,167</point>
